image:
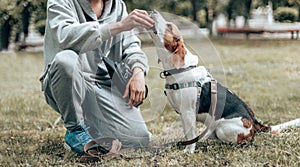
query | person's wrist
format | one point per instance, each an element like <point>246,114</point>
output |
<point>115,28</point>
<point>138,69</point>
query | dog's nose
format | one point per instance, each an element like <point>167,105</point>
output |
<point>154,29</point>
<point>153,15</point>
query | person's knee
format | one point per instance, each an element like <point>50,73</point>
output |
<point>65,62</point>
<point>145,138</point>
<point>142,140</point>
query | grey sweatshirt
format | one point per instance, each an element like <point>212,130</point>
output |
<point>72,25</point>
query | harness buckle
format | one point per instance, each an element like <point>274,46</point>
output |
<point>175,86</point>
<point>199,84</point>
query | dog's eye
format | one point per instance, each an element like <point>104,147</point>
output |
<point>176,38</point>
<point>169,27</point>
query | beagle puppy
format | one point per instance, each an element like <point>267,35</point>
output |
<point>234,121</point>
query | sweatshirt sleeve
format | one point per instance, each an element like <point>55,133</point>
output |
<point>132,52</point>
<point>71,34</point>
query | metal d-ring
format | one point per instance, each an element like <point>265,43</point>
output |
<point>162,75</point>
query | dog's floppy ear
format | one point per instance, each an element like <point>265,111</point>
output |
<point>179,55</point>
<point>173,42</point>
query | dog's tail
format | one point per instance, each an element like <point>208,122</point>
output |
<point>277,128</point>
<point>259,127</point>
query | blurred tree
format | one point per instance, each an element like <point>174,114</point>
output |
<point>7,19</point>
<point>286,14</point>
<point>195,6</point>
<point>25,8</point>
<point>40,15</point>
<point>15,17</point>
<point>178,7</point>
<point>239,8</point>
<point>203,7</point>
<point>137,4</point>
<point>283,3</point>
<point>247,13</point>
<point>212,10</point>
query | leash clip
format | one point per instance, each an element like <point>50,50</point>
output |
<point>179,144</point>
<point>163,75</point>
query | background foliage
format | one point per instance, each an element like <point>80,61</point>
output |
<point>286,14</point>
<point>15,15</point>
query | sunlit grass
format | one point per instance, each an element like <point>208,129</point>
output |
<point>266,74</point>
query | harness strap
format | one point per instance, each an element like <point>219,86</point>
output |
<point>212,111</point>
<point>176,86</point>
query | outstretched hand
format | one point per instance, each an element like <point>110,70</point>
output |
<point>137,18</point>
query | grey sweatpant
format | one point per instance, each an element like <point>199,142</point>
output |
<point>98,107</point>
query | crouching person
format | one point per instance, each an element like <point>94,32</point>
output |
<point>76,82</point>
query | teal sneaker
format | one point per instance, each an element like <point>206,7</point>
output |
<point>77,139</point>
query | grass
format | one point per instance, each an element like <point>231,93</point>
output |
<point>265,73</point>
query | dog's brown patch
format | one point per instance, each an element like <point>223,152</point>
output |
<point>243,138</point>
<point>259,127</point>
<point>173,42</point>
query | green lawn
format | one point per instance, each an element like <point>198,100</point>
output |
<point>265,73</point>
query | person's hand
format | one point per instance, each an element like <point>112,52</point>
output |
<point>135,88</point>
<point>137,18</point>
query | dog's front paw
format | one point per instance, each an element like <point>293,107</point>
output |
<point>190,149</point>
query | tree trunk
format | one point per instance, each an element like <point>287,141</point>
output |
<point>195,9</point>
<point>247,12</point>
<point>1,37</point>
<point>207,20</point>
<point>25,21</point>
<point>5,35</point>
<point>229,10</point>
